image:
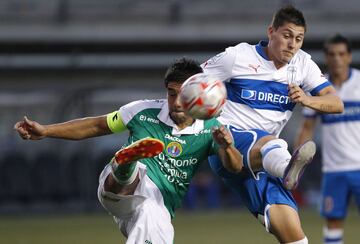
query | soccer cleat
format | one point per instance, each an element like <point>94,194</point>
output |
<point>144,148</point>
<point>298,162</point>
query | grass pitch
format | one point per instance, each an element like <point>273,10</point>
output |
<point>218,227</point>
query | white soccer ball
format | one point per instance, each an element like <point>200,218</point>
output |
<point>202,96</point>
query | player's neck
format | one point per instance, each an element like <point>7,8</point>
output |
<point>271,57</point>
<point>339,78</point>
<point>184,124</point>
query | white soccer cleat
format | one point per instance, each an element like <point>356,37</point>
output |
<point>298,162</point>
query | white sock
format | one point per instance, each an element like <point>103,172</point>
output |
<point>333,236</point>
<point>303,241</point>
<point>275,157</point>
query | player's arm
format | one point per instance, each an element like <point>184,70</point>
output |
<point>231,158</point>
<point>306,131</point>
<point>76,129</point>
<point>326,101</point>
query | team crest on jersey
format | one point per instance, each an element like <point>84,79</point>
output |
<point>215,59</point>
<point>174,149</point>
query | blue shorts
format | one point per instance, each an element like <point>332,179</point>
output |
<point>337,188</point>
<point>258,189</point>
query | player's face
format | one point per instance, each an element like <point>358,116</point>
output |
<point>176,111</point>
<point>284,43</point>
<point>338,59</point>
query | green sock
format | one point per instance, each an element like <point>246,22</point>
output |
<point>124,174</point>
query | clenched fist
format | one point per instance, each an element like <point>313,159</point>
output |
<point>222,136</point>
<point>29,129</point>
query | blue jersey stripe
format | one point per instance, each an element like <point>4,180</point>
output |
<point>330,240</point>
<point>351,113</point>
<point>317,89</point>
<point>260,94</point>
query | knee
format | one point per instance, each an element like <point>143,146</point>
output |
<point>285,224</point>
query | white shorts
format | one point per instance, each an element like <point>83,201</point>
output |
<point>142,217</point>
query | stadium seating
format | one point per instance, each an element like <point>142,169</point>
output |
<point>47,177</point>
<point>15,176</point>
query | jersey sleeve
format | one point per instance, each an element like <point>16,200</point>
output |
<point>314,80</point>
<point>117,121</point>
<point>114,122</point>
<point>129,110</point>
<point>309,113</point>
<point>221,65</point>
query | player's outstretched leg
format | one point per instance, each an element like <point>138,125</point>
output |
<point>299,160</point>
<point>123,165</point>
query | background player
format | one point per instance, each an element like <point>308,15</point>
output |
<point>145,183</point>
<point>340,139</point>
<point>263,83</point>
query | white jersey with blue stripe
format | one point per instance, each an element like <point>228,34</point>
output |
<point>257,90</point>
<point>341,132</point>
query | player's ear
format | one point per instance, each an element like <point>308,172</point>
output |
<point>270,30</point>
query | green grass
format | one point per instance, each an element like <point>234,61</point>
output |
<point>219,227</point>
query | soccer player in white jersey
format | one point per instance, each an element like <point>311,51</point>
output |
<point>264,82</point>
<point>147,180</point>
<point>340,140</point>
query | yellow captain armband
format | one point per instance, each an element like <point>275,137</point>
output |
<point>115,122</point>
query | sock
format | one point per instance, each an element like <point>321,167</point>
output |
<point>303,241</point>
<point>275,157</point>
<point>124,174</point>
<point>333,236</point>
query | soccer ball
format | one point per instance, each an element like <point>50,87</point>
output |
<point>202,96</point>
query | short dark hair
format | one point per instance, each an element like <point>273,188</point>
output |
<point>337,39</point>
<point>181,69</point>
<point>288,14</point>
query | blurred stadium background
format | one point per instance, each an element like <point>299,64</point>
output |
<point>64,59</point>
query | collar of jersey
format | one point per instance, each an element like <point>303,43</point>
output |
<point>260,48</point>
<point>164,117</point>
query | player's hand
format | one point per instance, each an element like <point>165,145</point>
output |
<point>30,130</point>
<point>222,136</point>
<point>297,95</point>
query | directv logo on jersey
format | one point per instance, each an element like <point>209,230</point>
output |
<point>248,94</point>
<point>264,96</point>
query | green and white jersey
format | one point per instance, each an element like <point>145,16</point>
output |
<point>173,169</point>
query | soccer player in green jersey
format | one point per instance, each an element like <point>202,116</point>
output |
<point>148,178</point>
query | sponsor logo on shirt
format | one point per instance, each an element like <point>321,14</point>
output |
<point>172,168</point>
<point>205,131</point>
<point>264,96</point>
<point>254,67</point>
<point>148,119</point>
<point>174,138</point>
<point>248,94</point>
